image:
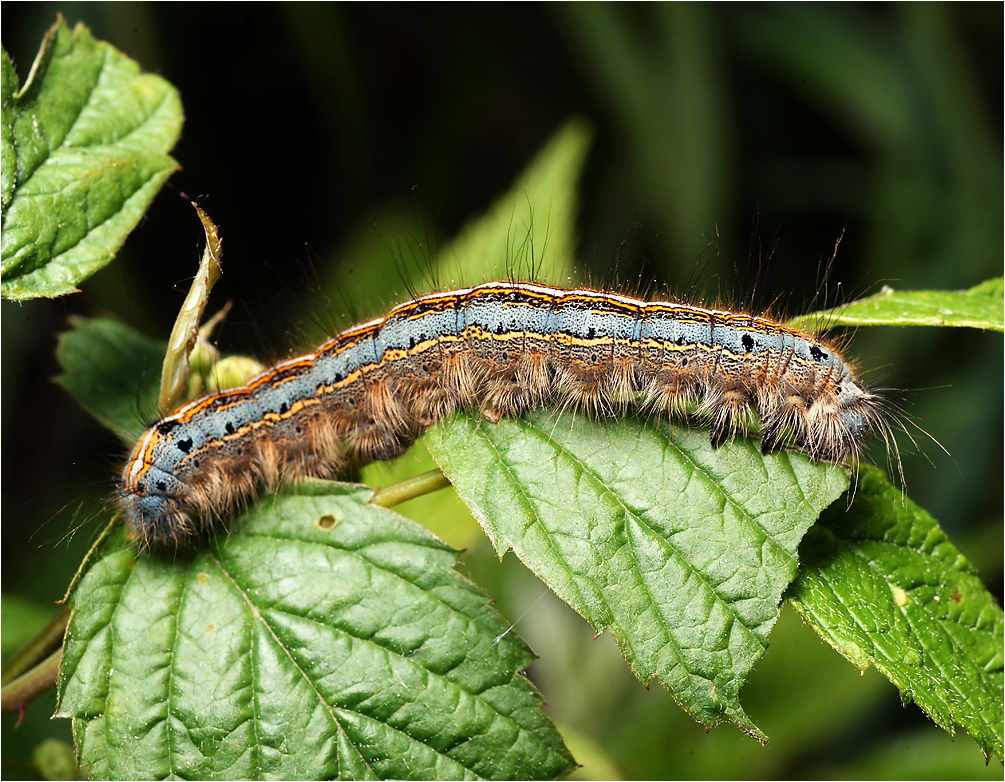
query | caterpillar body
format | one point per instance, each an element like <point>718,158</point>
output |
<point>501,348</point>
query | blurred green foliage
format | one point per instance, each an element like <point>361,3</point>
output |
<point>733,144</point>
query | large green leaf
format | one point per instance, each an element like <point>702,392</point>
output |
<point>884,586</point>
<point>682,551</point>
<point>84,148</point>
<point>320,637</point>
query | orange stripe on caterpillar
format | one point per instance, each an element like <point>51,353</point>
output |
<point>502,347</point>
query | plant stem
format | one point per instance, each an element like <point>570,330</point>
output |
<point>47,639</point>
<point>410,489</point>
<point>30,685</point>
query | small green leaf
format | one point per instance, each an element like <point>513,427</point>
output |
<point>84,146</point>
<point>112,372</point>
<point>681,550</point>
<point>884,586</point>
<point>321,637</point>
<point>980,307</point>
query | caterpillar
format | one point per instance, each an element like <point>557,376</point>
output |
<point>501,348</point>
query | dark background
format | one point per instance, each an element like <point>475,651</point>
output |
<point>736,140</point>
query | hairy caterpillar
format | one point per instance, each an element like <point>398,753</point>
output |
<point>501,347</point>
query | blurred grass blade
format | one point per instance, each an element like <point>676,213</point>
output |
<point>529,232</point>
<point>884,586</point>
<point>322,637</point>
<point>84,147</point>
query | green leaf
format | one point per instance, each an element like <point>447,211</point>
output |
<point>883,585</point>
<point>321,637</point>
<point>113,372</point>
<point>980,307</point>
<point>85,144</point>
<point>681,550</point>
